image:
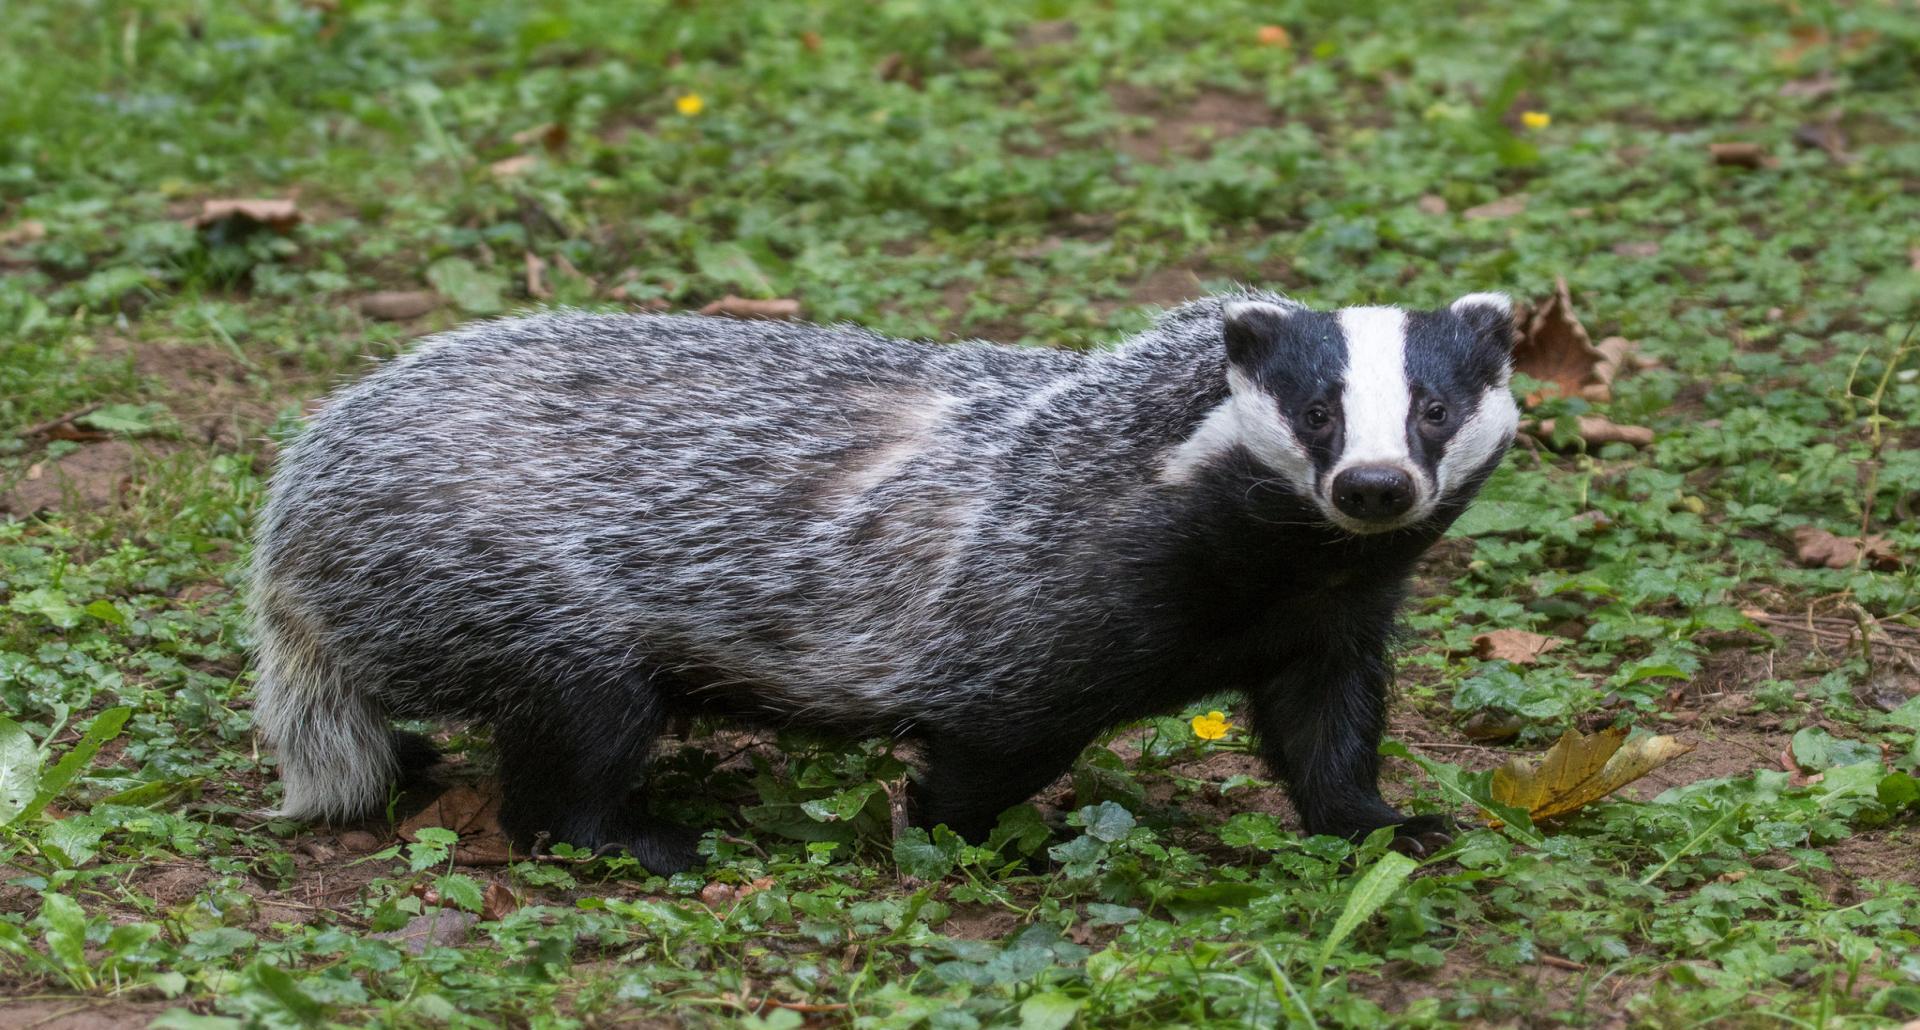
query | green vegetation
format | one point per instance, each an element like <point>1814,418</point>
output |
<point>959,169</point>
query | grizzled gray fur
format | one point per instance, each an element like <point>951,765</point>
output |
<point>570,527</point>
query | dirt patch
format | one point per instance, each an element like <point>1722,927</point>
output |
<point>93,478</point>
<point>979,923</point>
<point>216,396</point>
<point>1166,287</point>
<point>1184,127</point>
<point>1890,855</point>
<point>1550,987</point>
<point>171,883</point>
<point>78,1014</point>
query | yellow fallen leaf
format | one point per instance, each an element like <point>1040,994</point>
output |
<point>1580,769</point>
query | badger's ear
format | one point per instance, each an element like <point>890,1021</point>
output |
<point>1489,316</point>
<point>1253,329</point>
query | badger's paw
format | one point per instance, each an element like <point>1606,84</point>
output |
<point>661,848</point>
<point>665,848</point>
<point>1423,835</point>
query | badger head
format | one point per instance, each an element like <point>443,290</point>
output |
<point>1378,416</point>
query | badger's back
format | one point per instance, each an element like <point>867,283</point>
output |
<point>811,519</point>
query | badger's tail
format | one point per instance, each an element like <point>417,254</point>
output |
<point>336,746</point>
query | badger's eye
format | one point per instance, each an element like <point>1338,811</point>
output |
<point>1317,417</point>
<point>1436,414</point>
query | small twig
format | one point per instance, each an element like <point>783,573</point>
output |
<point>43,428</point>
<point>803,1006</point>
<point>1562,963</point>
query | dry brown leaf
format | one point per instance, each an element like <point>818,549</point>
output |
<point>1555,349</point>
<point>717,894</point>
<point>1817,548</point>
<point>498,902</point>
<point>1637,248</point>
<point>1814,87</point>
<point>895,68</point>
<point>1825,136</point>
<point>1505,207</point>
<point>1514,645</point>
<point>278,214</point>
<point>436,928</point>
<point>1581,769</point>
<point>1593,431</point>
<point>1487,725</point>
<point>537,287</point>
<point>1741,155</point>
<point>551,135</point>
<point>28,231</point>
<point>398,305</point>
<point>1433,204</point>
<point>473,812</point>
<point>517,165</point>
<point>812,41</point>
<point>742,307</point>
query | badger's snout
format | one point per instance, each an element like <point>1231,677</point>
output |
<point>1373,493</point>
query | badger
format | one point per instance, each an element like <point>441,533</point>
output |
<point>572,528</point>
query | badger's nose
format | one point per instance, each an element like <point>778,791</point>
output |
<point>1373,492</point>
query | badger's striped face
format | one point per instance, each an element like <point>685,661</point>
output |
<point>1377,414</point>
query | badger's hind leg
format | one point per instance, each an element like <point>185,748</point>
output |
<point>969,780</point>
<point>569,762</point>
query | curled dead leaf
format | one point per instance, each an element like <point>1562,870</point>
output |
<point>1580,769</point>
<point>1593,430</point>
<point>1555,349</point>
<point>1514,645</point>
<point>1817,548</point>
<point>498,902</point>
<point>278,214</point>
<point>743,307</point>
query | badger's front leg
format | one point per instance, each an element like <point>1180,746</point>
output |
<point>1319,725</point>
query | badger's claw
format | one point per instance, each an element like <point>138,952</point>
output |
<point>1421,845</point>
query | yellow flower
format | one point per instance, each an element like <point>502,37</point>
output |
<point>689,104</point>
<point>1535,120</point>
<point>1211,726</point>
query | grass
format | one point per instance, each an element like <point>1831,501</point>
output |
<point>962,169</point>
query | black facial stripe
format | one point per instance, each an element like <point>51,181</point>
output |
<point>1300,362</point>
<point>1448,363</point>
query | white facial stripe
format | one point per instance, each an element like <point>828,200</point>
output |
<point>1497,301</point>
<point>1265,434</point>
<point>1249,418</point>
<point>1236,310</point>
<point>1375,401</point>
<point>1490,428</point>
